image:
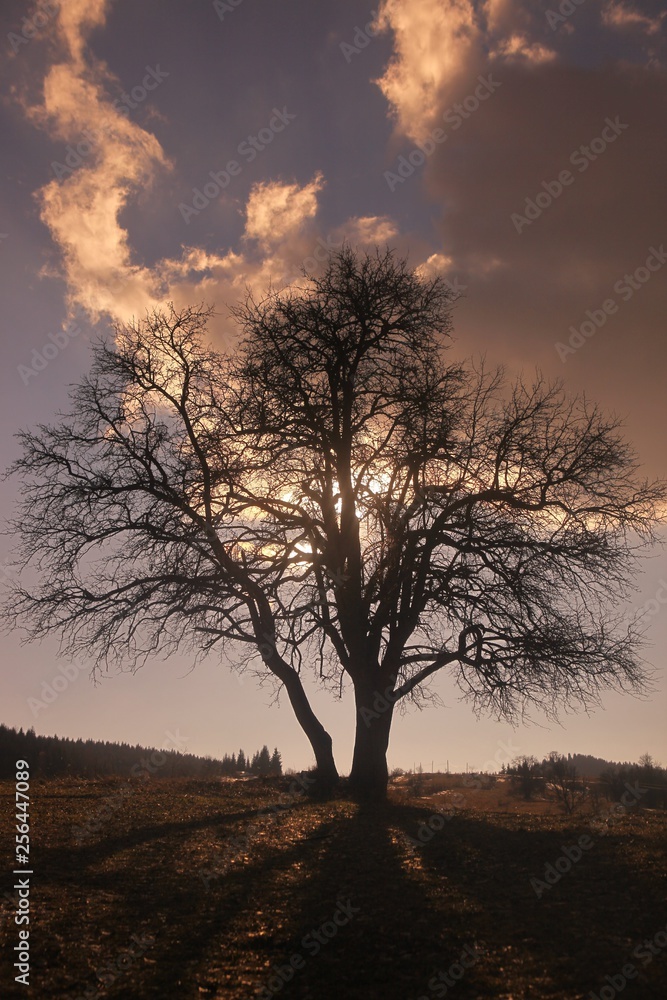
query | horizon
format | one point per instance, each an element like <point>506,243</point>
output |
<point>176,745</point>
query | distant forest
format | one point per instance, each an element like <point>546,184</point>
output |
<point>579,774</point>
<point>54,756</point>
<point>591,767</point>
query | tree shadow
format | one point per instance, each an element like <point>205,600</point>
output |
<point>555,935</point>
<point>337,899</point>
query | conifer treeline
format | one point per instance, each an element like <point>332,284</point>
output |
<point>262,763</point>
<point>55,756</point>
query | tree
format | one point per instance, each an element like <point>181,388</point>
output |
<point>562,779</point>
<point>335,492</point>
<point>241,762</point>
<point>276,768</point>
<point>264,761</point>
<point>526,775</point>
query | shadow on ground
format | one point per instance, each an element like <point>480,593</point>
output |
<point>329,900</point>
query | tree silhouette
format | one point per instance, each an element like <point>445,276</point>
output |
<point>276,767</point>
<point>336,493</point>
<point>562,778</point>
<point>526,775</point>
<point>264,761</point>
<point>52,756</point>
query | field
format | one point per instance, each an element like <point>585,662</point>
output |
<point>191,889</point>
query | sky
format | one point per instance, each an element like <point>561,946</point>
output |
<point>185,152</point>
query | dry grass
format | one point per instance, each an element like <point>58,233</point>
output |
<point>223,918</point>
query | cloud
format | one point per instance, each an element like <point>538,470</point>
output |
<point>500,14</point>
<point>368,230</point>
<point>76,18</point>
<point>625,16</point>
<point>275,210</point>
<point>276,263</point>
<point>436,264</point>
<point>433,42</point>
<point>525,292</point>
<point>108,159</point>
<point>108,162</point>
<point>518,47</point>
<point>440,47</point>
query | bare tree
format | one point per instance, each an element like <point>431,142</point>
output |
<point>526,776</point>
<point>563,783</point>
<point>336,493</point>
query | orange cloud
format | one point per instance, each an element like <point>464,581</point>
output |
<point>275,210</point>
<point>109,159</point>
<point>433,43</point>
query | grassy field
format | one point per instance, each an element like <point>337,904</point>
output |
<point>190,889</point>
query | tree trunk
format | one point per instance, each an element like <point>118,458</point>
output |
<point>326,772</point>
<point>369,775</point>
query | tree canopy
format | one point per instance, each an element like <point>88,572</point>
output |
<point>337,494</point>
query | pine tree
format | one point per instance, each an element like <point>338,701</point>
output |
<point>276,763</point>
<point>241,763</point>
<point>264,761</point>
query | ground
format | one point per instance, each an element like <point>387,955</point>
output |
<point>243,889</point>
